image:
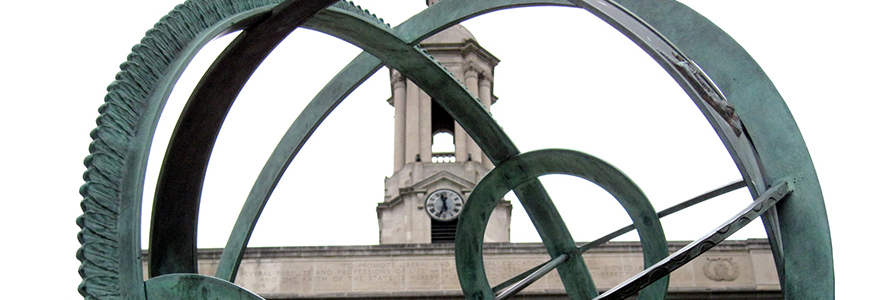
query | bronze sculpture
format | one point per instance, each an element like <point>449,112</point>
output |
<point>725,83</point>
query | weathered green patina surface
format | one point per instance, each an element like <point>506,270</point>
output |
<point>519,170</point>
<point>194,286</point>
<point>727,85</point>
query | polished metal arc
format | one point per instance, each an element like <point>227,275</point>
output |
<point>528,166</point>
<point>513,283</point>
<point>693,250</point>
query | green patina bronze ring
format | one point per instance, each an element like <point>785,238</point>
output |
<point>520,170</point>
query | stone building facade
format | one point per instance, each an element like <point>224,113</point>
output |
<point>731,270</point>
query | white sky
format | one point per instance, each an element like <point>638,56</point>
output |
<point>559,87</point>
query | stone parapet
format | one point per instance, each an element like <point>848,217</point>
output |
<point>731,270</point>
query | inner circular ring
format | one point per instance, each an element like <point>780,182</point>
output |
<point>521,169</point>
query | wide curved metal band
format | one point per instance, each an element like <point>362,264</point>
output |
<point>527,166</point>
<point>126,127</point>
<point>173,240</point>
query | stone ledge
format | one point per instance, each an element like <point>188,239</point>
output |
<point>427,271</point>
<point>439,249</point>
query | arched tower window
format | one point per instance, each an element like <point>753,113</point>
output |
<point>443,148</point>
<point>443,142</point>
<point>443,134</point>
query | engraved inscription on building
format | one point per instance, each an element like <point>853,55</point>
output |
<point>366,270</point>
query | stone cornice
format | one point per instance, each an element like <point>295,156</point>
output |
<point>464,48</point>
<point>448,249</point>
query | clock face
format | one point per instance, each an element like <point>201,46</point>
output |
<point>444,205</point>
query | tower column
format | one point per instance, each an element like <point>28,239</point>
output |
<point>471,80</point>
<point>460,136</point>
<point>460,143</point>
<point>485,97</point>
<point>412,123</point>
<point>398,99</point>
<point>426,128</point>
<point>485,90</point>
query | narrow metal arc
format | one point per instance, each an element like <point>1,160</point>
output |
<point>602,240</point>
<point>429,75</point>
<point>531,278</point>
<point>524,167</point>
<point>668,211</point>
<point>702,198</point>
<point>509,282</point>
<point>453,96</point>
<point>692,250</point>
<point>353,75</point>
<point>798,228</point>
<point>173,238</point>
<point>495,155</point>
<point>412,31</point>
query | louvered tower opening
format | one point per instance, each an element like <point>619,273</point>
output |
<point>443,232</point>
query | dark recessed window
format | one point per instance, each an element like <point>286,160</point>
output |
<point>443,232</point>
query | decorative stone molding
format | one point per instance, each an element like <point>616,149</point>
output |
<point>471,69</point>
<point>487,76</point>
<point>396,77</point>
<point>721,269</point>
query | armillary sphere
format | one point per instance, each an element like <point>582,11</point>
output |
<point>729,88</point>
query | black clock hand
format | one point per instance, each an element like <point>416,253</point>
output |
<point>444,202</point>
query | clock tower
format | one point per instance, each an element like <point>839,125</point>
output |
<point>436,164</point>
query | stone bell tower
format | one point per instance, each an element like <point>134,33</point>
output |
<point>436,164</point>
